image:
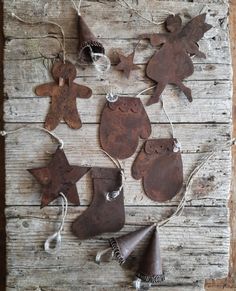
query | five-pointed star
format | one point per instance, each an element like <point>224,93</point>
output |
<point>126,64</point>
<point>59,176</point>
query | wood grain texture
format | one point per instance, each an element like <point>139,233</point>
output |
<point>196,245</point>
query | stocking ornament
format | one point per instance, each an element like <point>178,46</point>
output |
<point>172,63</point>
<point>159,165</point>
<point>123,122</point>
<point>106,212</point>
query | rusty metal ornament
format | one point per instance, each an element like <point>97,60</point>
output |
<point>172,63</point>
<point>103,215</point>
<point>160,167</point>
<point>126,64</point>
<point>59,177</point>
<point>122,124</point>
<point>88,43</point>
<point>63,93</point>
<point>150,268</point>
<point>124,245</point>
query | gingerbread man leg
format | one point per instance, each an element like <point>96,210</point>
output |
<point>71,116</point>
<point>53,118</point>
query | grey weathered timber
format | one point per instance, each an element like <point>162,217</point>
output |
<point>195,246</point>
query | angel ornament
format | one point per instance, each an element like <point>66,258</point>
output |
<point>172,63</point>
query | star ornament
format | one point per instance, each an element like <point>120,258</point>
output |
<point>59,176</point>
<point>126,64</point>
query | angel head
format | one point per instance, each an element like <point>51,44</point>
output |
<point>173,23</point>
<point>64,72</point>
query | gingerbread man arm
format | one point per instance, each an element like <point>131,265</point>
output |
<point>45,89</point>
<point>82,91</point>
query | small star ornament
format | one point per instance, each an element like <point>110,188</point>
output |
<point>126,64</point>
<point>59,177</point>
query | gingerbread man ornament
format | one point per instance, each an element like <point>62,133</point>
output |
<point>63,93</point>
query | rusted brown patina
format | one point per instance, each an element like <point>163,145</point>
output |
<point>59,176</point>
<point>150,268</point>
<point>63,93</point>
<point>122,123</point>
<point>126,64</point>
<point>172,63</point>
<point>160,169</point>
<point>88,43</point>
<point>103,215</point>
<point>124,245</point>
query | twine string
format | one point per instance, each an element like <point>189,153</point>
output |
<point>56,237</point>
<point>77,7</point>
<point>46,22</point>
<point>110,196</point>
<point>52,134</point>
<point>178,212</point>
<point>127,5</point>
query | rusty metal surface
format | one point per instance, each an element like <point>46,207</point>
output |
<point>150,268</point>
<point>63,93</point>
<point>122,124</point>
<point>160,169</point>
<point>172,63</point>
<point>103,215</point>
<point>87,42</point>
<point>59,176</point>
<point>124,245</point>
<point>126,64</point>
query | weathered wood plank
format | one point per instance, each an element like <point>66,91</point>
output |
<point>217,51</point>
<point>187,248</point>
<point>114,21</point>
<point>27,150</point>
<point>194,246</point>
<point>30,70</point>
<point>199,111</point>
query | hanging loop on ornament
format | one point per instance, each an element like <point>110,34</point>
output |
<point>53,243</point>
<point>177,146</point>
<point>100,61</point>
<point>101,254</point>
<point>112,97</point>
<point>138,284</point>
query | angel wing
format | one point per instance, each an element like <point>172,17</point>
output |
<point>193,31</point>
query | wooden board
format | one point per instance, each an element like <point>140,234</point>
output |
<point>195,246</point>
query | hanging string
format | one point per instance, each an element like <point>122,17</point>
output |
<point>53,243</point>
<point>114,194</point>
<point>168,118</point>
<point>77,7</point>
<point>188,184</point>
<point>46,22</point>
<point>126,5</point>
<point>60,141</point>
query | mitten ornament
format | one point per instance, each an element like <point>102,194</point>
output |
<point>123,122</point>
<point>159,165</point>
